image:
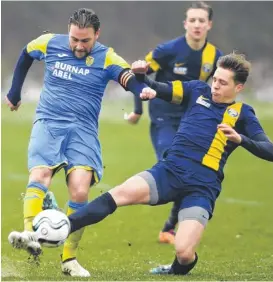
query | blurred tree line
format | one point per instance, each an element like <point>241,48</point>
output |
<point>133,28</point>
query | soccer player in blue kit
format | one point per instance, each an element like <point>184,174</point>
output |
<point>188,57</point>
<point>191,173</point>
<point>65,129</point>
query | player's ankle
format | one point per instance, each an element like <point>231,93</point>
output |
<point>67,259</point>
<point>182,269</point>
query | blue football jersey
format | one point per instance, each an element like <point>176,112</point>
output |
<point>176,60</point>
<point>73,88</point>
<point>198,138</point>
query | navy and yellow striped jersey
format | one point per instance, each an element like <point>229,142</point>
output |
<point>198,138</point>
<point>176,60</point>
<point>73,88</point>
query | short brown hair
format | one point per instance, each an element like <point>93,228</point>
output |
<point>84,18</point>
<point>236,63</point>
<point>201,5</point>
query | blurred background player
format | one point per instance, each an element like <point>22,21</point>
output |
<point>65,130</point>
<point>189,57</point>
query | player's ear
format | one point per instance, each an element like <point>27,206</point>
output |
<point>97,34</point>
<point>239,87</point>
<point>185,24</point>
<point>209,25</point>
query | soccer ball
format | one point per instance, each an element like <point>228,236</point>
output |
<point>52,227</point>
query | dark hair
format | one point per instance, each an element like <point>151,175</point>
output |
<point>201,5</point>
<point>236,63</point>
<point>84,18</point>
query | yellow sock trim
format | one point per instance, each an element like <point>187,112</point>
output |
<point>72,242</point>
<point>33,203</point>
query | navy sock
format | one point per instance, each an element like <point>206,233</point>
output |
<point>173,218</point>
<point>180,269</point>
<point>93,212</point>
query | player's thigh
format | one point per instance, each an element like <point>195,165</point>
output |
<point>83,152</point>
<point>162,184</point>
<point>134,190</point>
<point>45,148</point>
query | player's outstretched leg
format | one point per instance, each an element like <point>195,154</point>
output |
<point>192,222</point>
<point>167,234</point>
<point>135,190</point>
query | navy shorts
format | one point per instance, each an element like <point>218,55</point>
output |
<point>190,187</point>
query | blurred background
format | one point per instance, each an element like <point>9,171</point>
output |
<point>133,28</point>
<point>237,245</point>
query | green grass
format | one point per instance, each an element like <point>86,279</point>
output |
<point>237,245</point>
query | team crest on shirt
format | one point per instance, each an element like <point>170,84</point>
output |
<point>232,112</point>
<point>207,67</point>
<point>89,61</point>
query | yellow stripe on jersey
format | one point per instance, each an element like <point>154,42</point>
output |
<point>208,58</point>
<point>40,43</point>
<point>113,59</point>
<point>213,157</point>
<point>154,65</point>
<point>177,92</point>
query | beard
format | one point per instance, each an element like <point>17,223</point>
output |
<point>80,53</point>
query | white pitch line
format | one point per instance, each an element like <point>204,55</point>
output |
<point>9,268</point>
<point>241,202</point>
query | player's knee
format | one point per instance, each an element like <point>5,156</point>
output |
<point>42,175</point>
<point>79,193</point>
<point>184,255</point>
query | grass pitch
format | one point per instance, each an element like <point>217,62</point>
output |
<point>238,242</point>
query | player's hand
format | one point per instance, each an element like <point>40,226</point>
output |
<point>230,133</point>
<point>132,118</point>
<point>11,106</point>
<point>140,66</point>
<point>147,93</point>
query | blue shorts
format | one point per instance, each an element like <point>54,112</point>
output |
<point>58,144</point>
<point>162,137</point>
<point>189,187</point>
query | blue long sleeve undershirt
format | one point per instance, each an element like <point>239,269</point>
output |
<point>21,69</point>
<point>259,146</point>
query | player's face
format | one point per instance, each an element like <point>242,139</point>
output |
<point>223,88</point>
<point>197,24</point>
<point>82,40</point>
